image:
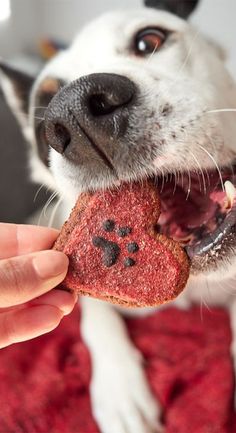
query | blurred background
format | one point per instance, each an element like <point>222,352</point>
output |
<point>26,27</point>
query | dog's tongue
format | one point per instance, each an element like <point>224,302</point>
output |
<point>115,251</point>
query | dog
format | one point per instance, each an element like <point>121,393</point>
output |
<point>139,94</point>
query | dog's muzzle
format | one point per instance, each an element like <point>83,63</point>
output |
<point>87,117</point>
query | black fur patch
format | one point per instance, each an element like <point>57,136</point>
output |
<point>22,84</point>
<point>182,8</point>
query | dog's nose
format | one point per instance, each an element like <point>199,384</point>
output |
<point>87,117</point>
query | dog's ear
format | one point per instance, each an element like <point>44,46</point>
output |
<point>16,86</point>
<point>182,8</point>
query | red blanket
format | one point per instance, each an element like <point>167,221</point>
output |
<point>44,382</point>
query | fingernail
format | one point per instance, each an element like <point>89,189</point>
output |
<point>68,308</point>
<point>50,264</point>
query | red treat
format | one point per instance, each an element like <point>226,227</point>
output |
<point>115,251</point>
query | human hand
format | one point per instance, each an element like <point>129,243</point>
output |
<point>28,272</point>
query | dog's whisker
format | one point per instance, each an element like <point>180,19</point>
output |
<point>216,165</point>
<point>39,118</point>
<point>44,209</point>
<point>199,180</point>
<point>189,185</point>
<point>224,287</point>
<point>232,288</point>
<point>152,54</point>
<point>39,108</point>
<point>182,179</point>
<point>208,177</point>
<point>233,169</point>
<point>40,218</point>
<point>203,301</point>
<point>49,201</point>
<point>223,110</point>
<point>196,35</point>
<point>54,212</point>
<point>175,183</point>
<point>201,172</point>
<point>201,308</point>
<point>38,191</point>
<point>177,175</point>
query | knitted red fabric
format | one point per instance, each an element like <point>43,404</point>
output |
<point>44,382</point>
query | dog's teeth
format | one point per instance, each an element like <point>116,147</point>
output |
<point>230,192</point>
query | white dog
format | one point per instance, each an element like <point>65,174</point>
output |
<point>140,94</point>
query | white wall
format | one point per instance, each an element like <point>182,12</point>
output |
<point>21,30</point>
<point>57,13</point>
<point>63,18</point>
<point>217,18</point>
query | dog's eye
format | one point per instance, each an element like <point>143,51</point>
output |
<point>148,41</point>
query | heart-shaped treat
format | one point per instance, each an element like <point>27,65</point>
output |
<point>115,251</point>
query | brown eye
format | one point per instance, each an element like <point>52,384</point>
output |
<point>148,41</point>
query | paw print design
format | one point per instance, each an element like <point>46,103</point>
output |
<point>111,250</point>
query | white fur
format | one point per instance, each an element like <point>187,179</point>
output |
<point>120,396</point>
<point>190,76</point>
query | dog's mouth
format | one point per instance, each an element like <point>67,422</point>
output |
<point>199,212</point>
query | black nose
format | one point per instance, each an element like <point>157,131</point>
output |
<point>88,117</point>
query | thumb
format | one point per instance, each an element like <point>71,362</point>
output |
<point>27,277</point>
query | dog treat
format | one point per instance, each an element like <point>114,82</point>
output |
<point>115,252</point>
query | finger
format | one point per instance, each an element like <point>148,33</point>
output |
<point>61,299</point>
<point>28,323</point>
<point>27,277</point>
<point>17,240</point>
